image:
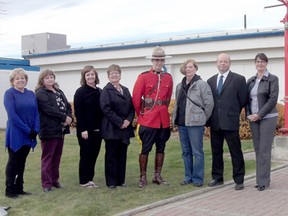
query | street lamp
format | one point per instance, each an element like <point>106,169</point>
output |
<point>285,21</point>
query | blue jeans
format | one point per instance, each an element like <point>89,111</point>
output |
<point>191,138</point>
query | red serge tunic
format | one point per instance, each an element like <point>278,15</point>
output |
<point>144,88</point>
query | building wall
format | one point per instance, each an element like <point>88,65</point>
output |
<point>241,46</point>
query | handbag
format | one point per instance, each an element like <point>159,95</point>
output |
<point>198,105</point>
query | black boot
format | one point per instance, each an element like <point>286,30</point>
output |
<point>19,180</point>
<point>10,187</point>
<point>157,179</point>
<point>19,186</point>
<point>9,192</point>
<point>143,159</point>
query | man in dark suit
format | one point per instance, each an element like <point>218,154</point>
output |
<point>230,96</point>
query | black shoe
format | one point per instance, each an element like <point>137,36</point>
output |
<point>111,187</point>
<point>6,208</point>
<point>11,195</point>
<point>239,186</point>
<point>186,183</point>
<point>215,182</point>
<point>24,193</point>
<point>197,184</point>
<point>57,185</point>
<point>256,186</point>
<point>46,190</point>
<point>261,187</point>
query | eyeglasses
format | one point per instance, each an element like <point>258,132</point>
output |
<point>114,73</point>
<point>159,60</point>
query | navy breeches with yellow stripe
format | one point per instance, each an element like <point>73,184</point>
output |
<point>148,136</point>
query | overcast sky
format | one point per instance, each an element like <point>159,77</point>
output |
<point>93,22</point>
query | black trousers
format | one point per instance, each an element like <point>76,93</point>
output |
<point>15,169</point>
<point>115,162</point>
<point>234,144</point>
<point>149,136</point>
<point>89,151</point>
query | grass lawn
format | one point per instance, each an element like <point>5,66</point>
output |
<point>74,200</point>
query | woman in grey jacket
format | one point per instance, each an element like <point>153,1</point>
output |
<point>263,91</point>
<point>193,106</point>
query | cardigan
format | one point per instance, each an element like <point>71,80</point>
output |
<point>87,109</point>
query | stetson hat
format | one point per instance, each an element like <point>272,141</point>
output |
<point>158,53</point>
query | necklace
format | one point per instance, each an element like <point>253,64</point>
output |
<point>119,89</point>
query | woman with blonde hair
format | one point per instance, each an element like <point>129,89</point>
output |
<point>193,107</point>
<point>55,118</point>
<point>21,131</point>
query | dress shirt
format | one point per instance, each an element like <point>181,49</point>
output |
<point>224,77</point>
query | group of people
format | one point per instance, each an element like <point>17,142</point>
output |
<point>108,114</point>
<point>46,113</point>
<point>217,104</point>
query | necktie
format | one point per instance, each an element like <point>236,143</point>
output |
<point>220,84</point>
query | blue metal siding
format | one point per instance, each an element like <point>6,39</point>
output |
<point>10,64</point>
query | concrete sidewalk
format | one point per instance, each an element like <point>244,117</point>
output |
<point>3,211</point>
<point>224,200</point>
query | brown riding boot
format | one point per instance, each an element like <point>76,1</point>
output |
<point>143,159</point>
<point>157,179</point>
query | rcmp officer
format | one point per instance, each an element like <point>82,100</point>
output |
<point>151,97</point>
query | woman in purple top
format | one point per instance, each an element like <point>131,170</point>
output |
<point>21,131</point>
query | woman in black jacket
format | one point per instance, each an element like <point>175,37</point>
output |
<point>118,110</point>
<point>55,119</point>
<point>89,115</point>
<point>263,91</point>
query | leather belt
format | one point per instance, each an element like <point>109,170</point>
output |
<point>148,103</point>
<point>161,102</point>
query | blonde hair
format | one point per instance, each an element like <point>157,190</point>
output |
<point>113,67</point>
<point>183,65</point>
<point>17,71</point>
<point>41,77</point>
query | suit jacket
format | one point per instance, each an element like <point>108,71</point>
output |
<point>87,109</point>
<point>228,105</point>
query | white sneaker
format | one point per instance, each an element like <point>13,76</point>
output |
<point>87,185</point>
<point>93,184</point>
<point>90,184</point>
